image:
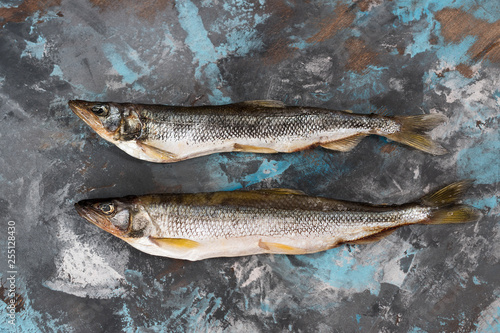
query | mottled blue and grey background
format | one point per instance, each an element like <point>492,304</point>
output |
<point>398,57</point>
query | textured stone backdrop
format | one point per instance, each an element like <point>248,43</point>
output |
<point>398,57</point>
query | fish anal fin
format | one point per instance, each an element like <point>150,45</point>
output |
<point>253,149</point>
<point>157,153</point>
<point>281,191</point>
<point>344,144</point>
<point>179,243</point>
<point>280,248</point>
<point>265,104</point>
<point>373,238</point>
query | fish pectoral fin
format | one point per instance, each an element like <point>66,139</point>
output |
<point>281,191</point>
<point>373,238</point>
<point>264,104</point>
<point>180,243</point>
<point>280,248</point>
<point>157,153</point>
<point>253,149</point>
<point>344,144</point>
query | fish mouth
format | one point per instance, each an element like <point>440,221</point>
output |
<point>82,110</point>
<point>86,210</point>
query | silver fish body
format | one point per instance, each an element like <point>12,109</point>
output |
<point>226,224</point>
<point>161,133</point>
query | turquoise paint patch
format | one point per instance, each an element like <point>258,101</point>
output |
<point>56,71</point>
<point>30,320</point>
<point>481,162</point>
<point>362,86</point>
<point>454,54</point>
<point>239,43</point>
<point>484,203</point>
<point>339,269</point>
<point>267,169</point>
<point>126,319</point>
<point>475,280</point>
<point>119,63</point>
<point>204,54</point>
<point>358,318</point>
<point>416,329</point>
<point>35,49</point>
<point>219,178</point>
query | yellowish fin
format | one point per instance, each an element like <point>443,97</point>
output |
<point>412,132</point>
<point>448,211</point>
<point>280,248</point>
<point>253,149</point>
<point>156,153</point>
<point>454,214</point>
<point>345,144</point>
<point>181,243</point>
<point>447,195</point>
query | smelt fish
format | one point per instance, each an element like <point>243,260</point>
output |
<point>239,223</point>
<point>163,134</point>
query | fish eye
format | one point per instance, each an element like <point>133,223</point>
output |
<point>100,110</point>
<point>107,208</point>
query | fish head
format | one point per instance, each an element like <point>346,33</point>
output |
<point>114,122</point>
<point>125,217</point>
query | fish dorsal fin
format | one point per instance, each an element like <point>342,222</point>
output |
<point>345,144</point>
<point>179,243</point>
<point>281,191</point>
<point>265,104</point>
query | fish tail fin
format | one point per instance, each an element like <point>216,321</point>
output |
<point>454,214</point>
<point>412,132</point>
<point>447,208</point>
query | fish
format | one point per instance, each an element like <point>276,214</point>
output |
<point>165,134</point>
<point>196,226</point>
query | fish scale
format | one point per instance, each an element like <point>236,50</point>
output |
<point>209,128</point>
<point>211,222</point>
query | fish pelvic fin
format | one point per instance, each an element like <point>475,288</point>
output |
<point>345,144</point>
<point>157,154</point>
<point>280,248</point>
<point>412,132</point>
<point>178,243</point>
<point>448,211</point>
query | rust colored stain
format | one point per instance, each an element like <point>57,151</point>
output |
<point>342,18</point>
<point>457,24</point>
<point>465,70</point>
<point>366,5</point>
<point>388,148</point>
<point>279,49</point>
<point>360,56</point>
<point>27,8</point>
<point>143,9</point>
<point>277,52</point>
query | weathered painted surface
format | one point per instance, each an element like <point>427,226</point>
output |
<point>396,57</point>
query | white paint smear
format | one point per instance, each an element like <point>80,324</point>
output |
<point>82,271</point>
